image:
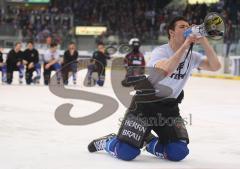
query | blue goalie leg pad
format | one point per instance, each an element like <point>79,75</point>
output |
<point>155,148</point>
<point>121,150</point>
<point>177,151</point>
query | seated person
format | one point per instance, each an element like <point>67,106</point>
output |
<point>15,63</point>
<point>98,64</point>
<point>31,59</point>
<point>3,67</point>
<point>70,63</point>
<point>51,63</point>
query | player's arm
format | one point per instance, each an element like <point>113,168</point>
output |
<point>211,63</point>
<point>52,62</point>
<point>171,64</point>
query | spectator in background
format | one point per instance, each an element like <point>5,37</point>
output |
<point>70,63</point>
<point>3,67</point>
<point>49,41</point>
<point>31,60</point>
<point>141,16</point>
<point>98,64</point>
<point>51,63</point>
<point>15,63</point>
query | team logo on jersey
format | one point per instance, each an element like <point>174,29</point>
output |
<point>178,75</point>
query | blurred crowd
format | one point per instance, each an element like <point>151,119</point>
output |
<point>145,19</point>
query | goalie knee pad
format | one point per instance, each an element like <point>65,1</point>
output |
<point>122,150</point>
<point>126,152</point>
<point>176,151</point>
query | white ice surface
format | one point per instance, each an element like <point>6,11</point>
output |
<point>31,138</point>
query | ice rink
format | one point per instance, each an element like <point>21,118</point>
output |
<point>31,138</point>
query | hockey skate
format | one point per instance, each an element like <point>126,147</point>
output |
<point>36,80</point>
<point>74,82</point>
<point>100,143</point>
<point>20,81</point>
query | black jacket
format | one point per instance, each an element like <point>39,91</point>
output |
<point>68,58</point>
<point>31,56</point>
<point>1,57</point>
<point>13,57</point>
<point>101,58</point>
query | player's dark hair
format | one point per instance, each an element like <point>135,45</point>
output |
<point>72,43</point>
<point>171,25</point>
<point>53,44</point>
<point>100,43</point>
<point>17,43</point>
<point>30,42</point>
